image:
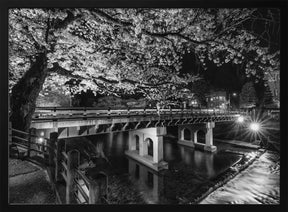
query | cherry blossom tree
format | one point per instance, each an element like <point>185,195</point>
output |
<point>248,96</point>
<point>114,51</point>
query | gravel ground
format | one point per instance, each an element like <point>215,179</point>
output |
<point>17,167</point>
<point>121,191</point>
<point>28,184</point>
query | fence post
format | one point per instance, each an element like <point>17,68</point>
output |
<point>59,148</point>
<point>85,112</point>
<point>9,132</point>
<point>52,146</point>
<point>72,164</point>
<point>32,131</point>
<point>109,112</point>
<point>54,112</point>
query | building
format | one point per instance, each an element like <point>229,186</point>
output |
<point>273,79</point>
<point>217,100</point>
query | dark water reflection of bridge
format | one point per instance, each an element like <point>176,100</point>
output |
<point>188,170</point>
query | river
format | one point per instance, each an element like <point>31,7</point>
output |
<point>190,173</point>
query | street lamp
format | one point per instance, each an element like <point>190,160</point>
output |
<point>240,119</point>
<point>255,127</point>
<point>229,102</point>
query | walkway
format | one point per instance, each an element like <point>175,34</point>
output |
<point>29,184</point>
<point>258,184</point>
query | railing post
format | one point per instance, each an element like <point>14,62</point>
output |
<point>85,112</point>
<point>109,111</point>
<point>59,148</point>
<point>54,112</point>
<point>52,142</point>
<point>9,132</point>
<point>32,131</point>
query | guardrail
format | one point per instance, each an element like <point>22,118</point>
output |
<point>48,112</point>
<point>79,188</point>
<point>62,165</point>
<point>27,142</point>
<point>82,187</point>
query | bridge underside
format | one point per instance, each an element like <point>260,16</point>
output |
<point>145,132</point>
<point>75,128</point>
<point>188,135</point>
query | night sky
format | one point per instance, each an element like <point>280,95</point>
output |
<point>224,77</point>
<point>231,77</point>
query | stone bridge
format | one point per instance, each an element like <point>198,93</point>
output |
<point>146,127</point>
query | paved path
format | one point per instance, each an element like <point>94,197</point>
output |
<point>29,184</point>
<point>258,184</point>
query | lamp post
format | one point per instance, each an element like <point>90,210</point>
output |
<point>255,127</point>
<point>229,101</point>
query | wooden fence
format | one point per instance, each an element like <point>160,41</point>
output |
<point>62,166</point>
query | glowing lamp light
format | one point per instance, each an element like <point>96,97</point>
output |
<point>255,126</point>
<point>41,133</point>
<point>40,140</point>
<point>240,119</point>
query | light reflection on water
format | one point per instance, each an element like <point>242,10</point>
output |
<point>147,181</point>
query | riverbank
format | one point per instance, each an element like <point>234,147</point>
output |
<point>258,184</point>
<point>245,161</point>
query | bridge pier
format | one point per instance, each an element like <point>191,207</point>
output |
<point>188,136</point>
<point>209,137</point>
<point>146,147</point>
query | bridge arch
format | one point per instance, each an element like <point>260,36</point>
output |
<point>137,140</point>
<point>187,134</point>
<point>148,144</point>
<point>201,136</point>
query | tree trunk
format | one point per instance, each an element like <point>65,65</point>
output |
<point>26,91</point>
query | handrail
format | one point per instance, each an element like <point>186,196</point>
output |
<point>83,193</point>
<point>25,133</point>
<point>19,138</point>
<point>86,180</point>
<point>19,131</point>
<point>80,176</point>
<point>64,165</point>
<point>26,142</point>
<point>21,145</point>
<point>128,109</point>
<point>87,112</point>
<point>78,200</point>
<point>65,155</point>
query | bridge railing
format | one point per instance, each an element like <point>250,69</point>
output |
<point>80,189</point>
<point>23,142</point>
<point>42,112</point>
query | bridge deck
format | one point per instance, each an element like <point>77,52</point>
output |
<point>77,117</point>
